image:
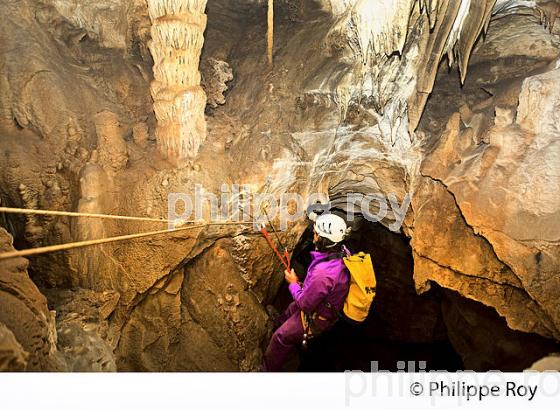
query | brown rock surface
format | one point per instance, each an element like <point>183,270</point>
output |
<point>483,342</point>
<point>506,194</point>
<point>24,312</point>
<point>12,356</point>
<point>85,341</point>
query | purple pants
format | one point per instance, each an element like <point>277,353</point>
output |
<point>327,280</point>
<point>285,339</point>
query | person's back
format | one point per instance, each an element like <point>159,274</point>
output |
<point>327,283</point>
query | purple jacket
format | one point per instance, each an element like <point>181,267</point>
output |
<point>326,281</point>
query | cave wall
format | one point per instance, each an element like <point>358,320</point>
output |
<point>27,325</point>
<point>335,114</point>
<point>493,171</point>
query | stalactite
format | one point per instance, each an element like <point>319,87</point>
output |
<point>179,100</point>
<point>377,31</point>
<point>381,28</point>
<point>270,34</point>
<point>549,12</point>
<point>472,18</point>
<point>433,44</point>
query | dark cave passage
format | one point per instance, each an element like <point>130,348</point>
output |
<point>401,326</point>
<point>437,330</point>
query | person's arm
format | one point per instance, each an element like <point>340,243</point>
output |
<point>316,289</point>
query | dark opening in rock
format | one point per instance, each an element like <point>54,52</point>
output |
<point>401,326</point>
<point>437,330</point>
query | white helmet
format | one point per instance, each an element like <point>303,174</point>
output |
<point>331,226</point>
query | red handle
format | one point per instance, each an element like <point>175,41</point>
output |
<point>287,258</point>
<point>285,262</point>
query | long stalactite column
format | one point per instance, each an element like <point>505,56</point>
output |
<point>179,100</point>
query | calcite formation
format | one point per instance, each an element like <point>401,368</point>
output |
<point>216,75</point>
<point>179,100</point>
<point>111,147</point>
<point>399,79</point>
<point>105,20</point>
<point>498,176</point>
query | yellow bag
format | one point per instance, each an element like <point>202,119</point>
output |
<point>362,286</point>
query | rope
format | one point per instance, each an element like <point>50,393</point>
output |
<point>286,253</point>
<point>87,215</point>
<point>73,245</point>
<point>274,230</point>
<point>284,259</point>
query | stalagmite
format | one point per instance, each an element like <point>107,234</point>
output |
<point>179,100</point>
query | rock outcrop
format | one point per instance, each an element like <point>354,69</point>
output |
<point>483,342</point>
<point>504,193</point>
<point>105,20</point>
<point>85,342</point>
<point>549,363</point>
<point>28,328</point>
<point>12,356</point>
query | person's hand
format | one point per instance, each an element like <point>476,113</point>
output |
<point>290,277</point>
